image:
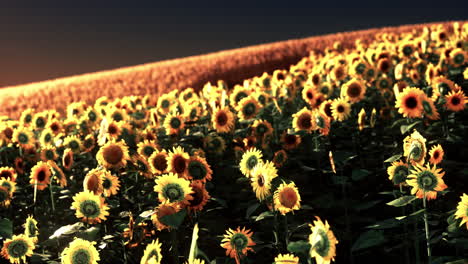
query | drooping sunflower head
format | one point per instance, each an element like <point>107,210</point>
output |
<point>456,100</point>
<point>162,210</point>
<point>247,108</point>
<point>322,241</point>
<point>93,181</point>
<point>250,159</point>
<point>462,210</point>
<point>237,242</point>
<point>436,154</point>
<point>302,120</point>
<point>398,172</point>
<point>178,161</point>
<point>30,228</point>
<point>5,196</point>
<point>414,147</point>
<point>409,102</point>
<point>426,181</point>
<point>80,251</point>
<point>353,90</point>
<point>172,189</point>
<point>200,196</point>
<point>287,198</point>
<point>262,128</point>
<point>198,169</point>
<point>321,122</point>
<point>67,159</point>
<point>286,259</point>
<point>40,175</point>
<point>158,162</point>
<point>17,248</point>
<point>261,177</point>
<point>430,111</point>
<point>113,155</point>
<point>340,109</point>
<point>152,253</point>
<point>90,207</point>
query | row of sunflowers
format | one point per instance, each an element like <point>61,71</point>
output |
<point>349,155</point>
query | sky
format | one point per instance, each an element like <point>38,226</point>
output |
<point>52,40</point>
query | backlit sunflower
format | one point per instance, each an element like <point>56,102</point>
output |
<point>80,251</point>
<point>290,141</point>
<point>302,120</point>
<point>158,162</point>
<point>250,159</point>
<point>173,123</point>
<point>398,172</point>
<point>456,101</point>
<point>67,158</point>
<point>426,181</point>
<point>323,242</point>
<point>113,155</point>
<point>462,210</point>
<point>152,251</point>
<point>442,86</point>
<point>279,158</point>
<point>73,143</point>
<point>430,111</point>
<point>200,196</point>
<point>198,169</point>
<point>215,144</point>
<point>223,120</point>
<point>414,147</point>
<point>247,108</point>
<point>262,128</point>
<point>90,207</point>
<point>340,109</point>
<point>309,94</point>
<point>436,154</point>
<point>286,198</point>
<point>162,210</point>
<point>321,122</point>
<point>8,173</point>
<point>172,189</point>
<point>286,259</point>
<point>177,161</point>
<point>93,181</point>
<point>409,102</point>
<point>261,177</point>
<point>23,137</point>
<point>353,90</point>
<point>30,228</point>
<point>40,175</point>
<point>147,147</point>
<point>237,243</point>
<point>5,196</point>
<point>17,248</point>
<point>338,73</point>
<point>458,57</point>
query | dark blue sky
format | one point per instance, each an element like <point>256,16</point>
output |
<point>42,42</point>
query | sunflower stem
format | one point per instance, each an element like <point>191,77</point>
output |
<point>426,227</point>
<point>416,240</point>
<point>286,230</point>
<point>52,195</point>
<point>175,246</point>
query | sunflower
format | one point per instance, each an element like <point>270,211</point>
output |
<point>172,189</point>
<point>67,159</point>
<point>178,161</point>
<point>89,143</point>
<point>30,228</point>
<point>261,177</point>
<point>406,49</point>
<point>456,101</point>
<point>114,129</point>
<point>309,94</point>
<point>162,210</point>
<point>426,181</point>
<point>8,173</point>
<point>90,207</point>
<point>17,248</point>
<point>75,109</point>
<point>93,181</point>
<point>23,137</point>
<point>55,126</point>
<point>213,143</point>
<point>414,148</point>
<point>19,165</point>
<point>340,109</point>
<point>158,162</point>
<point>5,196</point>
<point>80,251</point>
<point>223,120</point>
<point>262,128</point>
<point>321,122</point>
<point>58,172</point>
<point>26,117</point>
<point>353,90</point>
<point>384,65</point>
<point>338,73</point>
<point>113,155</point>
<point>247,108</point>
<point>198,169</point>
<point>302,120</point>
<point>47,137</point>
<point>286,259</point>
<point>237,243</point>
<point>458,57</point>
<point>290,141</point>
<point>142,166</point>
<point>147,147</point>
<point>250,159</point>
<point>173,123</point>
<point>152,252</point>
<point>40,175</point>
<point>135,233</point>
<point>442,86</point>
<point>398,172</point>
<point>430,111</point>
<point>436,154</point>
<point>323,242</point>
<point>409,102</point>
<point>48,153</point>
<point>286,198</point>
<point>200,196</point>
<point>73,143</point>
<point>279,158</point>
<point>39,121</point>
<point>110,183</point>
<point>116,114</point>
<point>462,210</point>
<point>238,94</point>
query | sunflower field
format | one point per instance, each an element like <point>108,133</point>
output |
<point>351,155</point>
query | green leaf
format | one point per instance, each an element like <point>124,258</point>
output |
<point>406,128</point>
<point>359,174</point>
<point>402,201</point>
<point>67,230</point>
<point>6,228</point>
<point>90,234</point>
<point>299,247</point>
<point>251,209</point>
<point>264,215</point>
<point>368,239</point>
<point>220,201</point>
<point>393,158</point>
<point>174,220</point>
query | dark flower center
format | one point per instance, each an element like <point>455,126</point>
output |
<point>113,154</point>
<point>411,102</point>
<point>221,119</point>
<point>179,164</point>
